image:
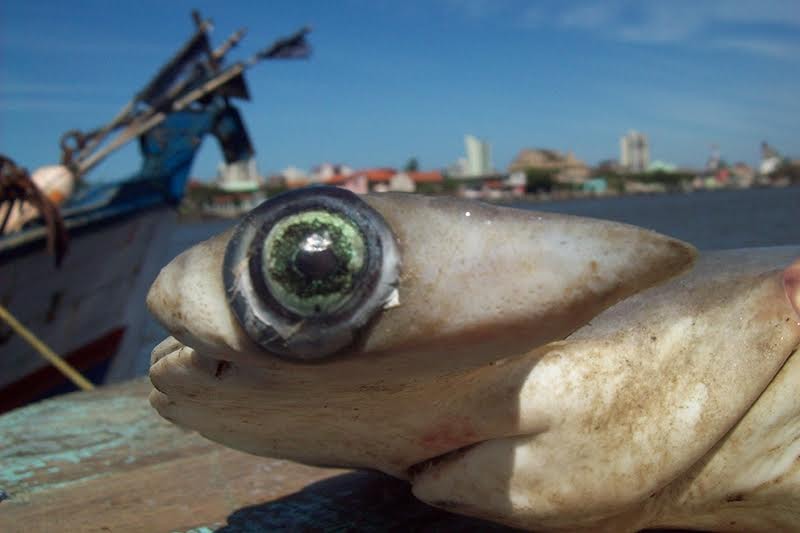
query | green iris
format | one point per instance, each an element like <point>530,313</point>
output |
<point>312,260</point>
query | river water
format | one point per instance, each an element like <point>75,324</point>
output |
<point>709,220</point>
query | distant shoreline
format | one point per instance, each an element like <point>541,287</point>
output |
<point>189,215</point>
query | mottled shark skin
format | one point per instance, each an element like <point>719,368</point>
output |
<point>543,371</point>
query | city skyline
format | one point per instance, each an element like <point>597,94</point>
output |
<point>389,81</point>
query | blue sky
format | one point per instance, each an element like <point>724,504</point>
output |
<point>393,79</point>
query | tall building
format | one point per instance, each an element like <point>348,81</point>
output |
<point>634,151</point>
<point>239,176</point>
<point>479,156</point>
<point>770,159</point>
<point>714,159</point>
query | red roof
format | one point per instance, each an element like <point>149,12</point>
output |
<point>383,175</point>
<point>376,174</point>
<point>432,176</point>
<point>339,179</point>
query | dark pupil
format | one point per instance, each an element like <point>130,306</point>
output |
<point>311,258</point>
<point>318,262</point>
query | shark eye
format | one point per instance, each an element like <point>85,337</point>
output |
<point>311,261</point>
<point>306,270</point>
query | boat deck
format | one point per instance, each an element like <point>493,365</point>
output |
<point>105,461</point>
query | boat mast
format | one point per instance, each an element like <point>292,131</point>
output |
<point>191,75</point>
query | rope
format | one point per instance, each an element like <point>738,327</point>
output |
<point>45,351</point>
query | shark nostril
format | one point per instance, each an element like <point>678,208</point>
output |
<point>791,285</point>
<point>223,369</point>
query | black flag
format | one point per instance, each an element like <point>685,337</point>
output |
<point>178,71</point>
<point>293,47</point>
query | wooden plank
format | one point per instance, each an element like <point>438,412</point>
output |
<point>105,461</point>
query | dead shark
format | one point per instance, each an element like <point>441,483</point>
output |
<point>543,371</point>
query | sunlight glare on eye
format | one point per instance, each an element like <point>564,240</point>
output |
<point>316,242</point>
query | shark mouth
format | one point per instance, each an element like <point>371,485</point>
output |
<point>415,470</point>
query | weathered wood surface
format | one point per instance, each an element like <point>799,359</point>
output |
<point>105,461</point>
